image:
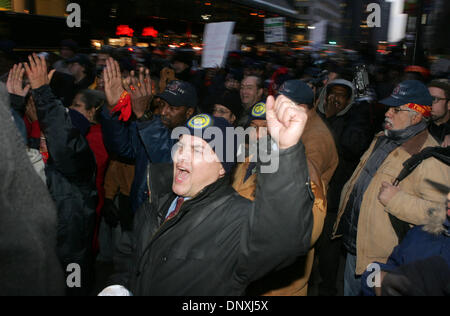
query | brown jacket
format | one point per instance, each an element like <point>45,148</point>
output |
<point>118,179</point>
<point>322,158</point>
<point>376,238</point>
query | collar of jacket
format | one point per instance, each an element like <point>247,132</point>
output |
<point>210,193</point>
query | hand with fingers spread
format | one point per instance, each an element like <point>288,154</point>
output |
<point>113,82</point>
<point>285,120</point>
<point>14,84</point>
<point>140,90</point>
<point>37,72</point>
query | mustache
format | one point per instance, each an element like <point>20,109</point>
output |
<point>388,121</point>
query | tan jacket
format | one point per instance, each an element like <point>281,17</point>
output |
<point>376,237</point>
<point>118,179</point>
<point>322,158</point>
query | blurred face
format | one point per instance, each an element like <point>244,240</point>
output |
<point>261,129</point>
<point>79,106</point>
<point>195,166</point>
<point>232,84</point>
<point>174,116</point>
<point>221,111</point>
<point>66,53</point>
<point>399,118</point>
<point>441,106</point>
<point>179,67</point>
<point>101,59</point>
<point>250,94</point>
<point>100,83</point>
<point>337,100</point>
<point>76,70</point>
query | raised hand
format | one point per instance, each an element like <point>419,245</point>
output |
<point>113,82</point>
<point>140,90</point>
<point>14,85</point>
<point>37,72</point>
<point>285,120</point>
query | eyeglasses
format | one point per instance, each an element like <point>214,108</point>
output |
<point>398,110</point>
<point>437,99</point>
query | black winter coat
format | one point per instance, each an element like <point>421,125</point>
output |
<point>220,242</point>
<point>70,175</point>
<point>353,135</point>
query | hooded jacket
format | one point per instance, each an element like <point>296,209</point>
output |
<point>219,242</point>
<point>352,132</point>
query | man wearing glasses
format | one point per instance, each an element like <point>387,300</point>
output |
<point>369,197</point>
<point>440,114</point>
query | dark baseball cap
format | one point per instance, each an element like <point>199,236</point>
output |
<point>258,112</point>
<point>180,93</point>
<point>297,91</point>
<point>409,91</point>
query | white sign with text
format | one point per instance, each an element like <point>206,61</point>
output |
<point>275,30</point>
<point>217,39</point>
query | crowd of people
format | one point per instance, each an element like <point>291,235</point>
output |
<point>93,176</point>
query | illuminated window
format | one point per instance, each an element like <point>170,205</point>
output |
<point>5,5</point>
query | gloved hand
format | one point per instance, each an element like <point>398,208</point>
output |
<point>110,213</point>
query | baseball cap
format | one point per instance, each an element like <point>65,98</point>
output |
<point>180,93</point>
<point>258,112</point>
<point>297,91</point>
<point>409,91</point>
<point>200,126</point>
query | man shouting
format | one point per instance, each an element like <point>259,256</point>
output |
<point>203,238</point>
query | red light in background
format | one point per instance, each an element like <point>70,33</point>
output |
<point>131,49</point>
<point>150,31</point>
<point>124,30</point>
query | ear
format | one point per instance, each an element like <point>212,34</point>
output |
<point>222,172</point>
<point>417,119</point>
<point>260,93</point>
<point>189,113</point>
<point>233,118</point>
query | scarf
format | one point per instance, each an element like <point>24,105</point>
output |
<point>384,146</point>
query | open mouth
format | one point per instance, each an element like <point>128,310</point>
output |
<point>181,174</point>
<point>388,125</point>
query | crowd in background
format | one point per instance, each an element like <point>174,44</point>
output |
<point>97,131</point>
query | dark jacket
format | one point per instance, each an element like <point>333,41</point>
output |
<point>28,260</point>
<point>70,175</point>
<point>353,134</point>
<point>219,242</point>
<point>145,142</point>
<point>418,245</point>
<point>439,132</point>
